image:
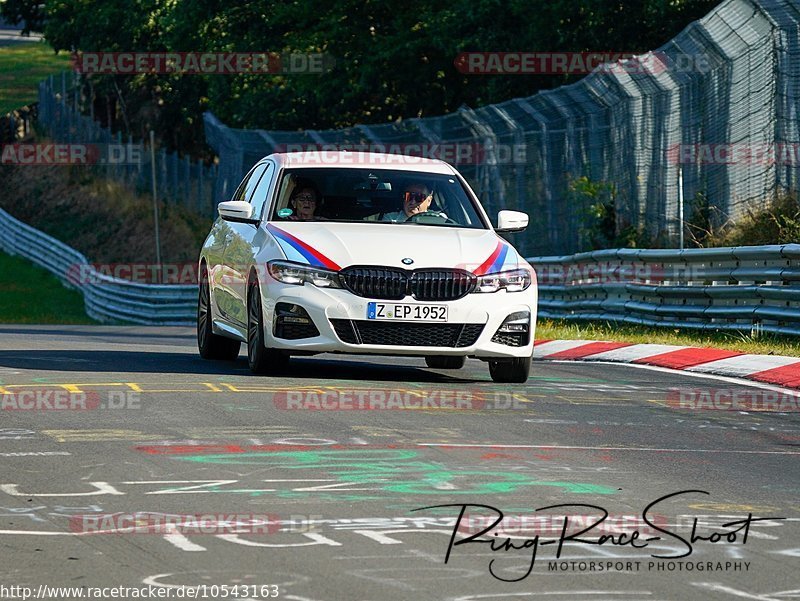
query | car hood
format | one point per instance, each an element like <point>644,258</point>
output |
<point>339,245</point>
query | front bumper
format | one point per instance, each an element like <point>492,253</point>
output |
<point>332,309</point>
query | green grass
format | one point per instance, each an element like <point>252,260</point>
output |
<point>766,344</point>
<point>30,294</point>
<point>22,67</point>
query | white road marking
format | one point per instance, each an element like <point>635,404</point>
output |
<point>722,588</point>
<point>556,346</point>
<point>549,447</point>
<point>636,351</point>
<point>721,378</point>
<point>744,365</point>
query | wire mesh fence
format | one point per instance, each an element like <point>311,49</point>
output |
<point>180,180</point>
<point>719,102</point>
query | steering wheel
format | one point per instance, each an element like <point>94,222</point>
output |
<point>439,214</point>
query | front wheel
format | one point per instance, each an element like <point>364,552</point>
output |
<point>260,359</point>
<point>445,362</point>
<point>211,345</point>
<point>515,371</point>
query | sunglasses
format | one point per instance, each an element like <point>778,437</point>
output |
<point>415,197</point>
<point>305,198</point>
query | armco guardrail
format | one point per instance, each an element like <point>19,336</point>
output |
<point>745,288</point>
<point>742,288</point>
<point>107,298</point>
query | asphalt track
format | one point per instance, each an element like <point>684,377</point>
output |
<point>177,436</point>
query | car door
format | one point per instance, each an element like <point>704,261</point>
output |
<point>224,277</point>
<point>246,241</point>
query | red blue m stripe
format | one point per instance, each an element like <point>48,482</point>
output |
<point>495,261</point>
<point>310,254</point>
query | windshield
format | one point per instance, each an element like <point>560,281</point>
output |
<point>376,196</point>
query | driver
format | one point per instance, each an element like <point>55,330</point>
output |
<point>417,199</point>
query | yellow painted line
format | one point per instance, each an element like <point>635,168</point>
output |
<point>70,387</point>
<point>212,387</point>
<point>133,386</point>
<point>230,387</point>
<point>221,432</point>
<point>4,391</point>
<point>98,435</point>
<point>51,385</point>
<point>522,399</point>
<point>174,390</point>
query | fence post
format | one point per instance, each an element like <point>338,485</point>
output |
<point>187,186</point>
<point>130,168</point>
<point>200,169</point>
<point>174,173</point>
<point>155,201</point>
<point>117,166</point>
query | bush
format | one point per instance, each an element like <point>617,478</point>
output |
<point>602,227</point>
<point>775,222</point>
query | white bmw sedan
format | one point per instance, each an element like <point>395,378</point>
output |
<point>364,253</point>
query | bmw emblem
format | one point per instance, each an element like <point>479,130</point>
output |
<point>407,261</point>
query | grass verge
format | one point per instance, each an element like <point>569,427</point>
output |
<point>30,294</point>
<point>766,344</point>
<point>22,67</point>
<point>99,217</point>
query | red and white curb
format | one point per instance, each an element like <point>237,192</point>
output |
<point>769,369</point>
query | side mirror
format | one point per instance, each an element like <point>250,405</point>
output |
<point>511,221</point>
<point>236,210</point>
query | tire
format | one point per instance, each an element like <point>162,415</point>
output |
<point>515,371</point>
<point>260,359</point>
<point>211,345</point>
<point>445,362</point>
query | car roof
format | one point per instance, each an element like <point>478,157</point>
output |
<point>344,159</point>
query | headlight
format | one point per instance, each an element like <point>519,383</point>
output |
<point>298,273</point>
<point>512,281</point>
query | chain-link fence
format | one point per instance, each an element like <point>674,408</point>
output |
<point>180,180</point>
<point>717,102</point>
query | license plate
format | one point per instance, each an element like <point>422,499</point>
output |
<point>406,312</point>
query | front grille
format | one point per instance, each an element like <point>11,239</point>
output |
<point>511,338</point>
<point>383,333</point>
<point>376,282</point>
<point>394,284</point>
<point>441,284</point>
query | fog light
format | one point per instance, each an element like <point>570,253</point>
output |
<point>515,330</point>
<point>293,322</point>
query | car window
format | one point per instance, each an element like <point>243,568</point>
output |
<point>375,195</point>
<point>248,185</point>
<point>262,188</point>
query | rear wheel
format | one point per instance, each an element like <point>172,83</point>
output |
<point>261,359</point>
<point>515,371</point>
<point>211,345</point>
<point>445,362</point>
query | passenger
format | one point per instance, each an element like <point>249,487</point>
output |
<point>304,202</point>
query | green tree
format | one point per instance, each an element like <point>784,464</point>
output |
<point>393,59</point>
